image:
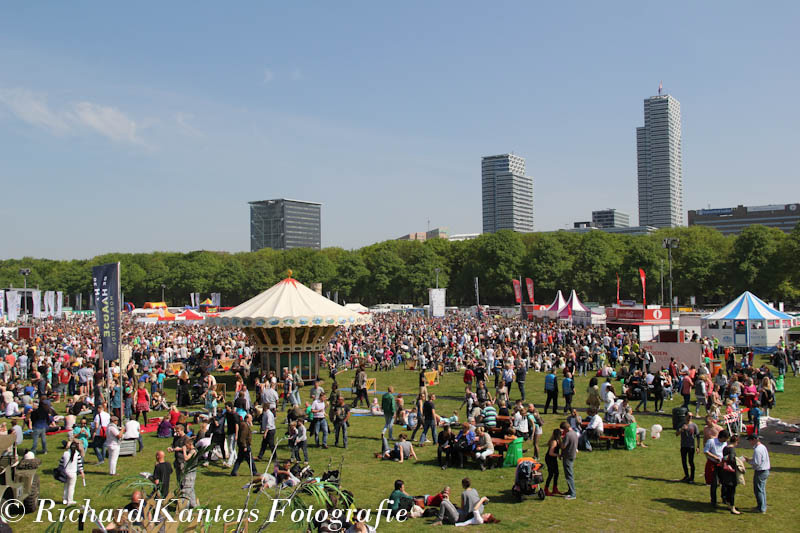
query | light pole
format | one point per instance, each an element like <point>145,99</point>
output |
<point>437,277</point>
<point>25,272</point>
<point>662,283</point>
<point>162,291</point>
<point>670,243</point>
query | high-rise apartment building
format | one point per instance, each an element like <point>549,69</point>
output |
<point>507,194</point>
<point>283,224</point>
<point>660,166</point>
<point>610,218</point>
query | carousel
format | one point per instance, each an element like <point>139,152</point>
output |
<point>290,325</point>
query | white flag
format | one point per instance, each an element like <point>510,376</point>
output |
<point>59,303</point>
<point>36,295</point>
<point>13,305</point>
<point>2,303</point>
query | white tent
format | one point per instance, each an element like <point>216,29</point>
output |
<point>358,308</point>
<point>558,304</point>
<point>747,322</point>
<point>289,303</point>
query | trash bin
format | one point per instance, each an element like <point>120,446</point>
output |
<point>679,415</point>
<point>513,453</point>
<point>716,367</point>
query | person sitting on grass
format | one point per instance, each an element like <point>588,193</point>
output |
<point>403,449</point>
<point>471,511</point>
<point>449,421</point>
<point>399,498</point>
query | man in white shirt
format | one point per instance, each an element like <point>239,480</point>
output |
<point>320,424</point>
<point>714,450</point>
<point>133,432</point>
<point>761,466</point>
<point>101,421</point>
<point>12,409</point>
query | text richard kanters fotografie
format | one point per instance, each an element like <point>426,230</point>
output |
<point>162,511</point>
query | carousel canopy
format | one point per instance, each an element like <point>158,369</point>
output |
<point>748,306</point>
<point>559,303</point>
<point>289,303</point>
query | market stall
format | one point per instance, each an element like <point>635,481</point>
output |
<point>748,321</point>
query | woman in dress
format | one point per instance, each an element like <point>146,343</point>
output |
<point>142,402</point>
<point>72,461</point>
<point>551,460</point>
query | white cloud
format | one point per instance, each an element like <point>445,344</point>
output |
<point>268,76</point>
<point>33,109</point>
<point>108,121</point>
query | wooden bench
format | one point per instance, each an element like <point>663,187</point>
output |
<point>128,447</point>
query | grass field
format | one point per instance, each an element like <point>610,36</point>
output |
<point>617,490</point>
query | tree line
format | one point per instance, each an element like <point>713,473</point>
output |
<point>707,265</point>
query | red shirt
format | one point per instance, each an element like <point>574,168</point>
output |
<point>64,376</point>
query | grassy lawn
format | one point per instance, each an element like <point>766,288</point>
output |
<point>617,490</point>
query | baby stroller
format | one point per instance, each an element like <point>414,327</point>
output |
<point>528,479</point>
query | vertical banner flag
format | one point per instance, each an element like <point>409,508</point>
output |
<point>436,302</point>
<point>517,290</point>
<point>36,295</point>
<point>529,284</point>
<point>60,303</point>
<point>644,292</point>
<point>191,295</point>
<point>477,293</point>
<point>617,288</point>
<point>2,304</point>
<point>105,279</point>
<point>13,305</point>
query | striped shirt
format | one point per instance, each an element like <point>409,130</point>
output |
<point>490,416</point>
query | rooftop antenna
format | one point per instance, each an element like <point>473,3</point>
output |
<point>660,87</point>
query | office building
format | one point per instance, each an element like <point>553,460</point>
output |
<point>283,224</point>
<point>610,218</point>
<point>436,233</point>
<point>660,167</point>
<point>507,194</point>
<point>732,220</point>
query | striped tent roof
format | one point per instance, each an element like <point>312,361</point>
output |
<point>748,306</point>
<point>559,303</point>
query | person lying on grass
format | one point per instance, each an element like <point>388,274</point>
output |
<point>403,449</point>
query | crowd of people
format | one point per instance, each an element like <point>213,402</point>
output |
<point>100,404</point>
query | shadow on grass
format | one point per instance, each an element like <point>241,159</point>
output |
<point>687,505</point>
<point>784,469</point>
<point>650,478</point>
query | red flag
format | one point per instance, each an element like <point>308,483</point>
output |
<point>644,291</point>
<point>517,290</point>
<point>617,288</point>
<point>529,283</point>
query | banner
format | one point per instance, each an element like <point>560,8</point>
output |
<point>36,295</point>
<point>617,288</point>
<point>216,298</point>
<point>105,279</point>
<point>436,301</point>
<point>2,304</point>
<point>477,293</point>
<point>529,284</point>
<point>517,290</point>
<point>644,292</point>
<point>191,295</point>
<point>13,305</point>
<point>60,303</point>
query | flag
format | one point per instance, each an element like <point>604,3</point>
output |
<point>517,290</point>
<point>644,291</point>
<point>529,283</point>
<point>107,307</point>
<point>617,288</point>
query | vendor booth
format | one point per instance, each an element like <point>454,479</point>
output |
<point>290,325</point>
<point>748,322</point>
<point>646,322</point>
<point>575,311</point>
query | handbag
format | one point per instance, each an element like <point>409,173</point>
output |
<point>60,474</point>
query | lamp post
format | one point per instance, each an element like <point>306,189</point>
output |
<point>670,243</point>
<point>437,277</point>
<point>25,272</point>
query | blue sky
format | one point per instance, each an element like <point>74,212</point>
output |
<point>149,126</point>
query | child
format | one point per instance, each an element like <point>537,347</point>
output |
<point>756,414</point>
<point>375,408</point>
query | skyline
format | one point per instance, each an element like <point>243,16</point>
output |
<point>380,114</point>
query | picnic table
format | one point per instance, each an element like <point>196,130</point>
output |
<point>501,443</point>
<point>612,433</point>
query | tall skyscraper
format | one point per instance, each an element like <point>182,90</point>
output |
<point>507,194</point>
<point>283,224</point>
<point>660,165</point>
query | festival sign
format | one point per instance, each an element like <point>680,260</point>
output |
<point>517,290</point>
<point>108,306</point>
<point>529,285</point>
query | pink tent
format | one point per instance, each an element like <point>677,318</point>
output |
<point>573,304</point>
<point>559,303</point>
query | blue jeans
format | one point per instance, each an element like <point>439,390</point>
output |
<point>37,435</point>
<point>569,474</point>
<point>389,424</point>
<point>429,423</point>
<point>341,428</point>
<point>321,426</point>
<point>760,489</point>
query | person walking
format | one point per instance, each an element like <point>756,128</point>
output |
<point>268,430</point>
<point>728,474</point>
<point>231,423</point>
<point>690,443</point>
<point>38,422</point>
<point>72,461</point>
<point>761,467</point>
<point>388,407</point>
<point>519,375</point>
<point>428,419</point>
<point>568,390</point>
<point>341,419</point>
<point>101,422</point>
<point>551,460</point>
<point>244,444</point>
<point>112,445</point>
<point>318,408</point>
<point>161,474</point>
<point>551,390</point>
<point>569,451</point>
<point>713,450</point>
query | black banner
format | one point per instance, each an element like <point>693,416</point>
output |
<point>107,307</point>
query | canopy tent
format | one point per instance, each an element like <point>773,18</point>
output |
<point>207,301</point>
<point>572,305</point>
<point>747,322</point>
<point>190,315</point>
<point>154,305</point>
<point>291,325</point>
<point>559,303</point>
<point>358,308</point>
